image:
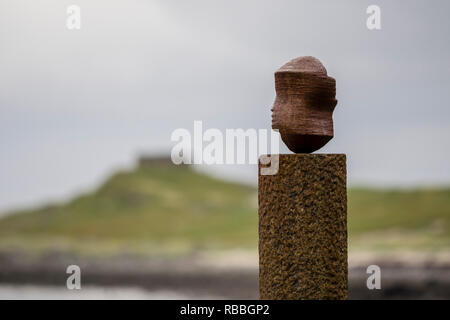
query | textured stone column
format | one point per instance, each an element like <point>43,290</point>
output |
<point>303,228</point>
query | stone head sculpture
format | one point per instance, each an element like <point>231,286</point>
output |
<point>304,104</point>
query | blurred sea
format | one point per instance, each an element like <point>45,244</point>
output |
<point>38,292</point>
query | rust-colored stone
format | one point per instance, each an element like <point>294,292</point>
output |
<point>303,228</point>
<point>304,104</point>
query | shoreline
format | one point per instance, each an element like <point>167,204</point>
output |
<point>231,275</point>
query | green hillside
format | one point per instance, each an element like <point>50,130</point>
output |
<point>167,209</point>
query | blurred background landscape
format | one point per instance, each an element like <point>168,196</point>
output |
<point>180,233</point>
<point>86,118</point>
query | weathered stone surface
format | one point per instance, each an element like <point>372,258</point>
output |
<point>303,228</point>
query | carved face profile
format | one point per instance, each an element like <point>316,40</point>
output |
<point>304,104</point>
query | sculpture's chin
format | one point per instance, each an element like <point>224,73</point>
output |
<point>304,143</point>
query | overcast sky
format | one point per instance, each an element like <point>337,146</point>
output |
<point>77,105</point>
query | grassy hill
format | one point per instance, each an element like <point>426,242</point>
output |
<point>167,209</point>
